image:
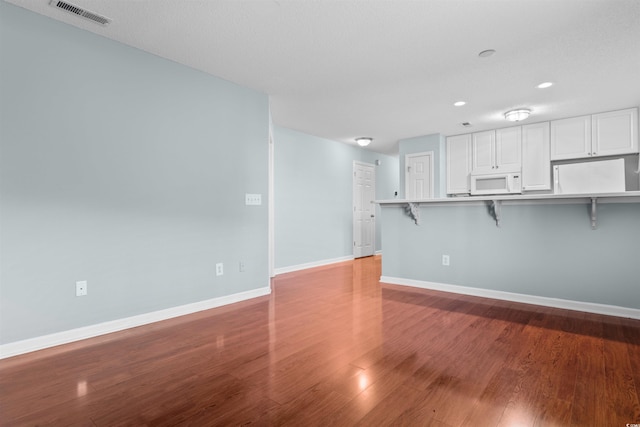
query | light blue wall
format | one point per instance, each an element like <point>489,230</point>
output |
<point>434,142</point>
<point>122,169</point>
<point>313,196</point>
<point>542,250</point>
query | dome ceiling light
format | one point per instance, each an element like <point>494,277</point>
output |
<point>363,141</point>
<point>517,115</point>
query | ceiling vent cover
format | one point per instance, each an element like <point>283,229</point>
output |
<point>80,12</point>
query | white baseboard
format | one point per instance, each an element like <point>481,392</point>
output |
<point>283,270</point>
<point>65,337</point>
<point>589,307</point>
<point>379,252</point>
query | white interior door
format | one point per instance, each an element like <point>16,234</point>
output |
<point>364,224</point>
<point>419,176</point>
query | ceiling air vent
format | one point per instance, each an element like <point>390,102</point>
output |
<point>80,12</point>
<point>466,124</point>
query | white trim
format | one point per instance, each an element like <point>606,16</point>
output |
<point>65,337</point>
<point>271,192</point>
<point>589,307</point>
<point>292,268</point>
<point>378,252</point>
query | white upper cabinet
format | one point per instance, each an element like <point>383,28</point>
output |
<point>536,163</point>
<point>458,164</point>
<point>497,150</point>
<point>604,134</point>
<point>508,149</point>
<point>483,151</point>
<point>615,132</point>
<point>571,138</point>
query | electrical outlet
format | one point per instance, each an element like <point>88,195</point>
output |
<point>219,269</point>
<point>81,288</point>
<point>445,260</point>
<point>242,266</point>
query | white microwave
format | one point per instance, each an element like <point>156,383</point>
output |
<point>496,183</point>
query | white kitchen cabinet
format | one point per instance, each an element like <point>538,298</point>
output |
<point>497,151</point>
<point>614,133</point>
<point>536,162</point>
<point>571,138</point>
<point>597,135</point>
<point>458,163</point>
<point>508,149</point>
<point>483,147</point>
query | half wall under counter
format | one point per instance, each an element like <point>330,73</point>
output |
<point>544,251</point>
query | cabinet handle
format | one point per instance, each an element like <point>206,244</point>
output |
<point>594,153</point>
<point>589,153</point>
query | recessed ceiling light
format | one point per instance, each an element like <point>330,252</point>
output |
<point>545,85</point>
<point>486,53</point>
<point>459,103</point>
<point>363,141</point>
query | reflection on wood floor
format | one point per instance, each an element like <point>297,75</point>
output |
<point>332,346</point>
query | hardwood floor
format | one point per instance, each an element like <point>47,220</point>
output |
<point>331,346</point>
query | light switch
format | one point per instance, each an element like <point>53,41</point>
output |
<point>253,199</point>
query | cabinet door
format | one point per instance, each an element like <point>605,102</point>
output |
<point>571,138</point>
<point>483,151</point>
<point>615,132</point>
<point>536,162</point>
<point>458,164</point>
<point>508,149</point>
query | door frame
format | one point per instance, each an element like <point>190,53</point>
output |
<point>271,206</point>
<point>406,172</point>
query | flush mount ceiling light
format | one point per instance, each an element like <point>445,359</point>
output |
<point>459,103</point>
<point>486,53</point>
<point>544,85</point>
<point>517,115</point>
<point>363,141</point>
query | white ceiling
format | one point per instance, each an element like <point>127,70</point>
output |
<point>392,69</point>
